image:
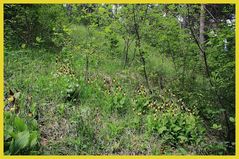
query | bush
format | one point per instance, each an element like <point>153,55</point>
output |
<point>20,138</point>
<point>176,127</point>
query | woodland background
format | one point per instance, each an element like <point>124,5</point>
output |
<point>149,79</point>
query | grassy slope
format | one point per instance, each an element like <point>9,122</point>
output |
<point>83,117</point>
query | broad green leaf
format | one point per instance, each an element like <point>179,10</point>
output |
<point>11,147</point>
<point>34,124</point>
<point>101,10</point>
<point>19,124</point>
<point>182,138</point>
<point>8,131</point>
<point>162,129</point>
<point>23,46</point>
<point>182,151</point>
<point>232,119</point>
<point>215,126</point>
<point>13,134</point>
<point>21,140</point>
<point>38,39</point>
<point>122,101</point>
<point>33,139</point>
<point>177,128</point>
<point>17,95</point>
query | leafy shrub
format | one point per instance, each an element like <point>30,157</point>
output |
<point>218,148</point>
<point>73,93</point>
<point>20,138</point>
<point>36,24</point>
<point>112,38</point>
<point>115,129</point>
<point>141,100</point>
<point>119,101</point>
<point>60,37</point>
<point>176,127</point>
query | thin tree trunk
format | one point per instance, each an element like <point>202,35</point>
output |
<point>28,30</point>
<point>138,44</point>
<point>160,79</point>
<point>202,29</point>
<point>87,68</point>
<point>134,54</point>
<point>126,52</point>
<point>202,38</point>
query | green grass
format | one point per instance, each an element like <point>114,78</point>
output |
<point>112,112</point>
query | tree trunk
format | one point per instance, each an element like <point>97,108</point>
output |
<point>161,82</point>
<point>126,51</point>
<point>87,68</point>
<point>202,38</point>
<point>200,41</point>
<point>138,44</point>
<point>134,54</point>
<point>202,29</point>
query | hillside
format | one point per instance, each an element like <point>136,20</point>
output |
<point>119,79</point>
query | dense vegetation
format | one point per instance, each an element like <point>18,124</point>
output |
<point>119,79</point>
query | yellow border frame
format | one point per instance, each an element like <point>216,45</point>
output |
<point>236,2</point>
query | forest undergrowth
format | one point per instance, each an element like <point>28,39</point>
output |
<point>93,81</point>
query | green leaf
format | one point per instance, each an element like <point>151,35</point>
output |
<point>101,10</point>
<point>11,147</point>
<point>23,46</point>
<point>162,129</point>
<point>19,124</point>
<point>17,95</point>
<point>33,139</point>
<point>8,131</point>
<point>218,127</point>
<point>12,134</point>
<point>122,101</point>
<point>146,103</point>
<point>232,119</point>
<point>38,39</point>
<point>182,138</point>
<point>21,140</point>
<point>182,151</point>
<point>177,128</point>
